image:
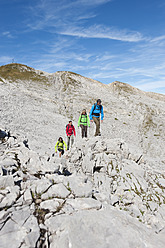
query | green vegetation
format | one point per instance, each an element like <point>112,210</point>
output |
<point>2,188</point>
<point>18,72</point>
<point>68,187</point>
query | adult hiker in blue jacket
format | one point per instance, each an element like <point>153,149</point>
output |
<point>95,112</point>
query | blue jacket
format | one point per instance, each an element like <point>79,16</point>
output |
<point>96,112</point>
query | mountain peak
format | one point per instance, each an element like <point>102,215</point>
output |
<point>19,72</point>
<point>16,66</point>
<point>120,86</point>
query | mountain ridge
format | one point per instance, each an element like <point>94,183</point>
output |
<point>5,71</point>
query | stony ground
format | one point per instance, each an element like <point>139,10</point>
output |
<point>99,195</point>
<point>106,191</point>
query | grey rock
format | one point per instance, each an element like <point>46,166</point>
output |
<point>33,231</point>
<point>8,166</point>
<point>114,200</point>
<point>6,181</point>
<point>52,204</point>
<point>56,191</point>
<point>88,164</point>
<point>10,198</point>
<point>99,229</point>
<point>27,197</point>
<point>84,204</point>
<point>162,182</point>
<point>21,216</point>
<point>37,186</point>
<point>80,186</point>
<point>12,235</point>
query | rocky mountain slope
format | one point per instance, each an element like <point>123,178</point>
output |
<point>107,191</point>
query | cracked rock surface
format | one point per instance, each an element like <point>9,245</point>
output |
<point>117,197</point>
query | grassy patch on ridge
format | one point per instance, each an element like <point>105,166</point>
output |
<point>18,72</point>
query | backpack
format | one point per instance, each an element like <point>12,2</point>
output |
<point>86,118</point>
<point>95,107</point>
<point>67,127</point>
<point>58,142</point>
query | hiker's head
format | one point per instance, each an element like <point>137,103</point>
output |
<point>83,111</point>
<point>70,123</point>
<point>60,139</point>
<point>99,102</point>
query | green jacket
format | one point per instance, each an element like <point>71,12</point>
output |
<point>60,145</point>
<point>84,120</point>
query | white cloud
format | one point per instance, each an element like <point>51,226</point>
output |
<point>151,86</point>
<point>103,32</point>
<point>7,34</point>
<point>93,2</point>
<point>71,19</point>
<point>158,39</point>
<point>5,59</point>
<point>104,57</point>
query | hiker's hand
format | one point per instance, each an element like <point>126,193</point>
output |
<point>101,121</point>
<point>91,120</point>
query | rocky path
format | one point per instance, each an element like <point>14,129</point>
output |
<point>101,194</point>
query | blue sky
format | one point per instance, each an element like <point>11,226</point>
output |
<point>106,40</point>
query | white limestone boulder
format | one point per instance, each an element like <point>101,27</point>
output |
<point>100,229</point>
<point>56,191</point>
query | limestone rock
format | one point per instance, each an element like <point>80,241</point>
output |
<point>99,229</point>
<point>52,204</point>
<point>84,204</point>
<point>56,191</point>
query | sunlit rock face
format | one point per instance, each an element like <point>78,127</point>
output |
<point>105,191</point>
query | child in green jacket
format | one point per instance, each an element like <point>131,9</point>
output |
<point>60,146</point>
<point>83,122</point>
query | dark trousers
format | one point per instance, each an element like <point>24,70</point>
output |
<point>97,122</point>
<point>83,131</point>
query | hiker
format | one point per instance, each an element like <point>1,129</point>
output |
<point>60,146</point>
<point>84,123</point>
<point>96,109</point>
<point>70,132</point>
